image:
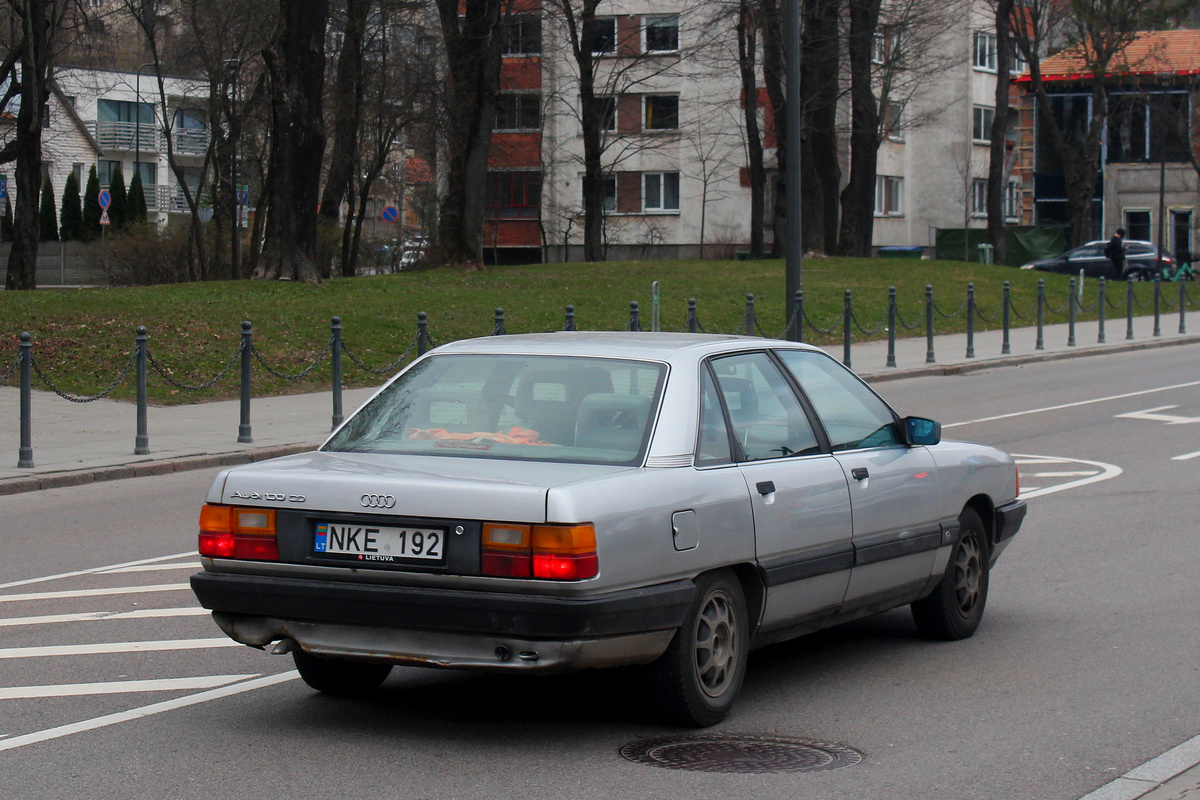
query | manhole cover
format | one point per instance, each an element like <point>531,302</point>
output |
<point>742,754</point>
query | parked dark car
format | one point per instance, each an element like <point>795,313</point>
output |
<point>1139,260</point>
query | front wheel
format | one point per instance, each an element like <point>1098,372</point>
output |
<point>955,608</point>
<point>339,676</point>
<point>697,679</point>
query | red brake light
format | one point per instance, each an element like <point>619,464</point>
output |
<point>548,552</point>
<point>243,533</point>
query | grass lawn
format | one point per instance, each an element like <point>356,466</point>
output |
<point>83,337</point>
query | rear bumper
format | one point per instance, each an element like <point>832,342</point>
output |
<point>447,628</point>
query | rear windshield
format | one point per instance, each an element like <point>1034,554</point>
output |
<point>543,408</point>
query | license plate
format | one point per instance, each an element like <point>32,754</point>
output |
<point>378,543</point>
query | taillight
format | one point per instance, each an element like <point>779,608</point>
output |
<point>549,552</point>
<point>232,532</point>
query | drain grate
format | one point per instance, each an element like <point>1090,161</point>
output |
<point>740,754</point>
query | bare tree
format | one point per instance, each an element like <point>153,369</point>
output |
<point>998,161</point>
<point>295,61</point>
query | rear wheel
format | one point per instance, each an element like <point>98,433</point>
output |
<point>955,608</point>
<point>339,676</point>
<point>697,679</point>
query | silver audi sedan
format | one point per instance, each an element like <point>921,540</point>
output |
<point>561,501</point>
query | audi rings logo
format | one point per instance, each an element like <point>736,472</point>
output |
<point>377,501</point>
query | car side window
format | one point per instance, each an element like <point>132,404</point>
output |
<point>712,443</point>
<point>854,417</point>
<point>768,420</point>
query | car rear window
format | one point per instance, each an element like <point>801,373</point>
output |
<point>543,408</point>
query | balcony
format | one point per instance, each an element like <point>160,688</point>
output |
<point>126,136</point>
<point>189,141</point>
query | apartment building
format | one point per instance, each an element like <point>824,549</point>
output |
<point>674,157</point>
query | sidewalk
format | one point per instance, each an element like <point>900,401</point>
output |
<point>82,443</point>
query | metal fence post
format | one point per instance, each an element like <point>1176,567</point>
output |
<point>749,319</point>
<point>25,353</point>
<point>499,330</point>
<point>693,322</point>
<point>570,323</point>
<point>799,303</point>
<point>634,323</point>
<point>1071,313</point>
<point>970,320</point>
<point>847,318</point>
<point>1182,306</point>
<point>929,359</point>
<point>1101,300</point>
<point>1005,346</point>
<point>141,440</point>
<point>1157,305</point>
<point>247,348</point>
<point>1041,315</point>
<point>335,348</point>
<point>423,333</point>
<point>891,326</point>
<point>1129,307</point>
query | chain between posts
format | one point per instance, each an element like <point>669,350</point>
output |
<point>129,362</point>
<point>165,374</point>
<point>11,369</point>
<point>297,376</point>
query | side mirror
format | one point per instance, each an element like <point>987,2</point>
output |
<point>921,431</point>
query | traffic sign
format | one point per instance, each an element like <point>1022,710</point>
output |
<point>3,186</point>
<point>390,214</point>
<point>104,217</point>
<point>243,196</point>
<point>105,199</point>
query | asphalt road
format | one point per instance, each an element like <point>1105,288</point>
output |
<point>1085,666</point>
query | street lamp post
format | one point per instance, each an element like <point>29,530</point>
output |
<point>233,65</point>
<point>794,243</point>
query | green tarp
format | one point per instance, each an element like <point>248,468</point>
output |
<point>1024,243</point>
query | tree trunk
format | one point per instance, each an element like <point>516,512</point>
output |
<point>773,77</point>
<point>747,48</point>
<point>473,66</point>
<point>858,207</point>
<point>296,62</point>
<point>997,174</point>
<point>819,86</point>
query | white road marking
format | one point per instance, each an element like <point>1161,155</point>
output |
<point>120,687</point>
<point>1076,474</point>
<point>1071,405</point>
<point>150,568</point>
<point>1105,472</point>
<point>1186,456</point>
<point>158,646</point>
<point>146,711</point>
<point>1152,415</point>
<point>94,570</point>
<point>88,616</point>
<point>160,587</point>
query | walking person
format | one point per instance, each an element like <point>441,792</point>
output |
<point>1114,251</point>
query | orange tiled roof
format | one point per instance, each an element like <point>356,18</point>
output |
<point>1151,53</point>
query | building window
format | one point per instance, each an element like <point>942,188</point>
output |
<point>985,51</point>
<point>662,112</point>
<point>1137,224</point>
<point>1012,202</point>
<point>1149,128</point>
<point>660,191</point>
<point>104,171</point>
<point>518,112</point>
<point>514,195</point>
<point>981,125</point>
<point>888,192</point>
<point>604,37</point>
<point>892,118</point>
<point>979,197</point>
<point>608,184</point>
<point>608,113</point>
<point>878,49</point>
<point>662,34</point>
<point>124,111</point>
<point>523,36</point>
<point>1017,63</point>
<point>149,173</point>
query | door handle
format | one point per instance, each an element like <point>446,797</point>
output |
<point>859,473</point>
<point>765,487</point>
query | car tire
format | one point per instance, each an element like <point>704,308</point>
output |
<point>338,676</point>
<point>697,679</point>
<point>955,608</point>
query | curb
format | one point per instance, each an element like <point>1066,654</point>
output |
<point>142,469</point>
